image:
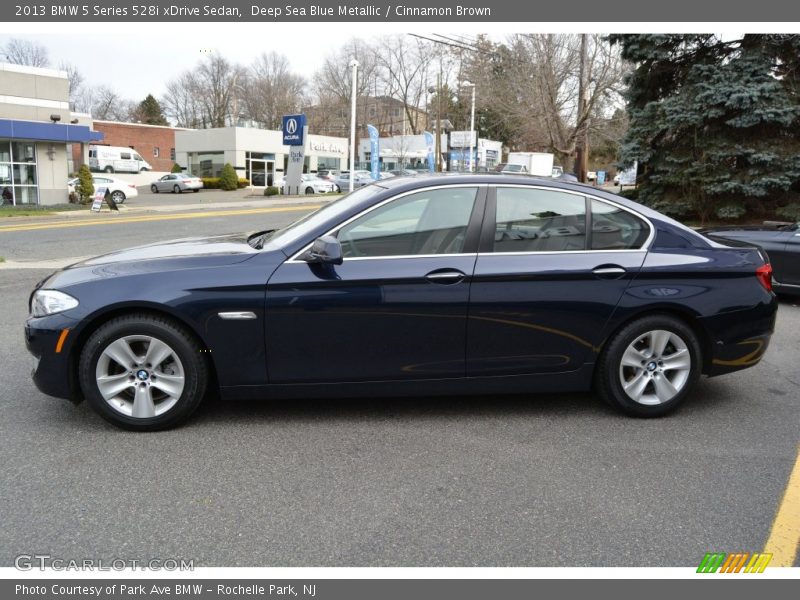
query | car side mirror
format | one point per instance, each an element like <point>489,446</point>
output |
<point>325,250</point>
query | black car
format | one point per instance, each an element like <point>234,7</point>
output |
<point>450,284</point>
<point>780,240</point>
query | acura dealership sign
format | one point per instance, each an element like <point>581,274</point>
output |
<point>293,129</point>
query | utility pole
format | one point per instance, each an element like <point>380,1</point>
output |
<point>438,141</point>
<point>582,135</point>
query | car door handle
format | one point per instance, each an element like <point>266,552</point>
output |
<point>446,276</point>
<point>609,271</point>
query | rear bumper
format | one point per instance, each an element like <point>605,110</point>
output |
<point>739,339</point>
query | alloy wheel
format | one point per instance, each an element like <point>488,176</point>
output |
<point>655,367</point>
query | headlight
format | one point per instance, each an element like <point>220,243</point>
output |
<point>48,302</point>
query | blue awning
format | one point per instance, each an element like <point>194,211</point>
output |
<point>47,132</point>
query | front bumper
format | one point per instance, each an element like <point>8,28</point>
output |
<point>52,371</point>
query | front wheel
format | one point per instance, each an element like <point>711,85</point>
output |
<point>309,190</point>
<point>142,372</point>
<point>650,366</point>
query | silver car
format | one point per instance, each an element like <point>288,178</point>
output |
<point>177,183</point>
<point>360,179</point>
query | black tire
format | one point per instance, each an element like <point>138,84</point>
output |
<point>188,351</point>
<point>109,169</point>
<point>118,197</point>
<point>309,190</point>
<point>176,189</point>
<point>154,188</point>
<point>609,370</point>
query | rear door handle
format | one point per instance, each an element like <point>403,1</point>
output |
<point>609,271</point>
<point>445,276</point>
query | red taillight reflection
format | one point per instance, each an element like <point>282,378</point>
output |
<point>764,274</point>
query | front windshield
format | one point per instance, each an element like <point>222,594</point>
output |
<point>290,234</point>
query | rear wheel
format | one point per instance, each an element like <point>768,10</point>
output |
<point>142,373</point>
<point>176,189</point>
<point>649,367</point>
<point>109,169</point>
<point>118,197</point>
<point>154,188</point>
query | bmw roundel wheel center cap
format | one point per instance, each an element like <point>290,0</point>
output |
<point>142,375</point>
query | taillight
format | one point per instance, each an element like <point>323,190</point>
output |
<point>764,275</point>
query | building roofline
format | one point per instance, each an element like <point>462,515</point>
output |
<point>144,125</point>
<point>42,71</point>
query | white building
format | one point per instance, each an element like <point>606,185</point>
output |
<point>399,151</point>
<point>36,135</point>
<point>485,154</point>
<point>256,154</point>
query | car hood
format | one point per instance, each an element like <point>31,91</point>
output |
<point>187,253</point>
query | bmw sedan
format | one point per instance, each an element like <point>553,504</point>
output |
<point>780,240</point>
<point>177,183</point>
<point>409,286</point>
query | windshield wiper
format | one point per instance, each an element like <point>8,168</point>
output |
<point>257,240</point>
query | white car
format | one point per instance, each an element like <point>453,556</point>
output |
<point>120,190</point>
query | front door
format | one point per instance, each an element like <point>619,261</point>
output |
<point>395,309</point>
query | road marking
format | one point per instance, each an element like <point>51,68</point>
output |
<point>784,537</point>
<point>144,219</point>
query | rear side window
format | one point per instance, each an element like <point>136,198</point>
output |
<point>616,229</point>
<point>125,155</point>
<point>539,220</point>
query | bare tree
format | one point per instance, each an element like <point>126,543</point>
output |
<point>181,103</point>
<point>24,52</point>
<point>404,62</point>
<point>216,80</point>
<point>270,90</point>
<point>75,83</point>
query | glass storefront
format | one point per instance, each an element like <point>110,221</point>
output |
<point>18,173</point>
<point>206,164</point>
<point>260,168</point>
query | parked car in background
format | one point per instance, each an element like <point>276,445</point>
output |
<point>510,168</point>
<point>120,190</point>
<point>311,184</point>
<point>387,175</point>
<point>780,240</point>
<point>360,179</point>
<point>111,159</point>
<point>455,284</point>
<point>591,176</point>
<point>404,172</point>
<point>328,174</point>
<point>177,183</point>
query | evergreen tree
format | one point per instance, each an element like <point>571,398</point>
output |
<point>714,122</point>
<point>85,187</point>
<point>149,112</point>
<point>228,180</point>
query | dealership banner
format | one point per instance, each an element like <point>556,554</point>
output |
<point>429,145</point>
<point>374,150</point>
<point>475,11</point>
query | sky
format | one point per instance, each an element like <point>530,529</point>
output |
<point>136,59</point>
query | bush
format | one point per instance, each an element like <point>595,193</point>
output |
<point>85,186</point>
<point>212,183</point>
<point>176,168</point>
<point>271,191</point>
<point>228,179</point>
<point>733,210</point>
<point>790,212</point>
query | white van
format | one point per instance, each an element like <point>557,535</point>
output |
<point>112,159</point>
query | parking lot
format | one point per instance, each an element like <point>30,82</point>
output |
<point>549,480</point>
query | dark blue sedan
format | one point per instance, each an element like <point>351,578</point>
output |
<point>410,286</point>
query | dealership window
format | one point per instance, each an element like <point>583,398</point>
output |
<point>206,164</point>
<point>156,151</point>
<point>429,222</point>
<point>19,183</point>
<point>172,153</point>
<point>538,220</point>
<point>328,162</point>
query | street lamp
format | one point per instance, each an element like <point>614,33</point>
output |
<point>468,84</point>
<point>354,67</point>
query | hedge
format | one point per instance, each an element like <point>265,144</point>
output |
<point>212,183</point>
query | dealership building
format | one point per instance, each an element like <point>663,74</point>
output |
<point>257,154</point>
<point>37,135</point>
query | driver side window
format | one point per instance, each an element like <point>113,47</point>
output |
<point>427,222</point>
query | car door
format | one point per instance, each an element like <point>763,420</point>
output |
<point>395,309</point>
<point>165,183</point>
<point>790,259</point>
<point>552,267</point>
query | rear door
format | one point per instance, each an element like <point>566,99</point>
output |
<point>790,259</point>
<point>551,269</point>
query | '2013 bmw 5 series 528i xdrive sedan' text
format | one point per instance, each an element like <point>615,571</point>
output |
<point>409,286</point>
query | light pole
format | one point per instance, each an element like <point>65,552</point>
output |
<point>468,84</point>
<point>354,66</point>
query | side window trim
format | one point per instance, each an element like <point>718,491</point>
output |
<point>474,227</point>
<point>486,245</point>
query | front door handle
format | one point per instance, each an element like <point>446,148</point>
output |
<point>445,276</point>
<point>609,271</point>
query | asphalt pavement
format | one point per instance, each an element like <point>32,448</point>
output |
<point>547,480</point>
